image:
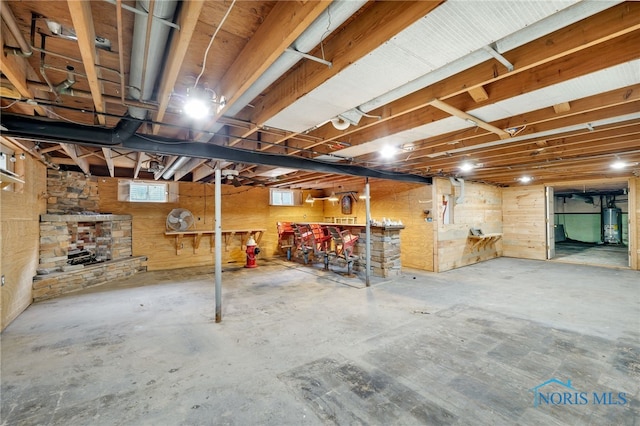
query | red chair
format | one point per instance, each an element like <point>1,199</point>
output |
<point>285,237</point>
<point>344,244</point>
<point>303,240</point>
<point>321,242</point>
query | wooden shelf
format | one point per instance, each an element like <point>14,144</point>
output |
<point>481,241</point>
<point>228,235</point>
<point>7,178</point>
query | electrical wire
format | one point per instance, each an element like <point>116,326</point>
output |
<point>206,53</point>
<point>11,104</point>
<point>49,111</point>
<point>327,32</point>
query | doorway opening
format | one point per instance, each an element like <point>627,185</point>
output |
<point>589,224</point>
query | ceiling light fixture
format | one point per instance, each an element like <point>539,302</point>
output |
<point>309,199</point>
<point>333,197</point>
<point>467,166</point>
<point>388,151</point>
<point>198,103</point>
<point>524,179</point>
<point>619,165</point>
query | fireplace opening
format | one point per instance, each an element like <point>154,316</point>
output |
<point>70,241</point>
<point>81,257</point>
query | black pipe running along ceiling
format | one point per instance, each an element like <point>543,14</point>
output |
<point>124,135</point>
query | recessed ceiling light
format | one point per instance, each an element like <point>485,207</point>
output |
<point>524,179</point>
<point>619,165</point>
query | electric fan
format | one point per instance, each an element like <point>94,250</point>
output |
<point>179,220</point>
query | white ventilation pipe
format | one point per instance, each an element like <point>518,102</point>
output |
<point>12,25</point>
<point>174,167</point>
<point>340,123</point>
<point>330,19</point>
<point>459,182</point>
<point>571,14</point>
<point>158,38</point>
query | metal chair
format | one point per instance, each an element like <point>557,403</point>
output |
<point>303,241</point>
<point>321,242</point>
<point>344,244</point>
<point>285,237</point>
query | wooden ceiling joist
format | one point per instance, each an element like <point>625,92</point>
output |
<point>377,24</point>
<point>83,24</point>
<point>443,106</point>
<point>83,163</point>
<point>478,94</point>
<point>188,19</point>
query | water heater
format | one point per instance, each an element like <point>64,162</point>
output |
<point>612,225</point>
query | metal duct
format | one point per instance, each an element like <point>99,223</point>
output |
<point>125,128</point>
<point>174,167</point>
<point>10,20</point>
<point>158,37</point>
<point>57,131</point>
<point>332,17</point>
<point>538,29</point>
<point>460,183</point>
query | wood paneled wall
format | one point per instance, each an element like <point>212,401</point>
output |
<point>524,229</point>
<point>397,201</point>
<point>479,207</point>
<point>242,208</point>
<point>20,236</point>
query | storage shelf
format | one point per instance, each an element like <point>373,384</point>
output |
<point>481,241</point>
<point>227,234</point>
<point>7,178</point>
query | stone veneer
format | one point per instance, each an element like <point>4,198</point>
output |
<point>109,236</point>
<point>57,284</point>
<point>64,229</point>
<point>71,192</point>
<point>385,250</point>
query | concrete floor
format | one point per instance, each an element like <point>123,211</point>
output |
<point>615,255</point>
<point>299,347</point>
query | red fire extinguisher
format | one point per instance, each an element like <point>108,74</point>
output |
<point>252,252</point>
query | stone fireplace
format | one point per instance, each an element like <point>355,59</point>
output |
<point>78,247</point>
<point>64,236</point>
<point>83,250</point>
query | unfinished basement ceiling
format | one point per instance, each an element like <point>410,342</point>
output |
<point>544,89</point>
<point>449,33</point>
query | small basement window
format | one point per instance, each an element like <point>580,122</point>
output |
<point>147,192</point>
<point>285,197</point>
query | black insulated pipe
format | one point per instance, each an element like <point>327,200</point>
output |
<point>124,135</point>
